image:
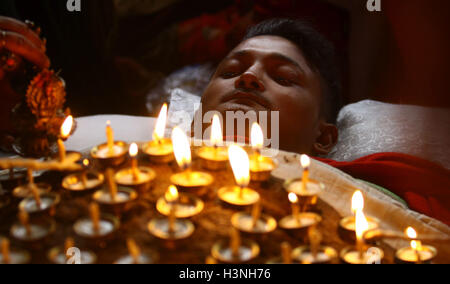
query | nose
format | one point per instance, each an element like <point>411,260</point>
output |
<point>249,81</point>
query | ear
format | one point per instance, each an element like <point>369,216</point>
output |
<point>326,139</point>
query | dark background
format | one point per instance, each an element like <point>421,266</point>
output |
<point>111,55</point>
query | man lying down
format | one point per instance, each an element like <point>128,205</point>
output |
<point>286,66</point>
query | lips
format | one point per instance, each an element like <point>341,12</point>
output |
<point>248,99</point>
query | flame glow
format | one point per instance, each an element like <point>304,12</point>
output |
<point>181,147</point>
<point>357,201</point>
<point>66,127</point>
<point>171,194</point>
<point>160,126</point>
<point>257,136</point>
<point>361,224</point>
<point>305,161</point>
<point>133,150</point>
<point>411,233</point>
<point>216,131</point>
<point>240,164</point>
<point>86,162</point>
<point>293,197</point>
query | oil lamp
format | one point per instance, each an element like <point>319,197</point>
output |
<point>214,157</point>
<point>12,256</point>
<point>160,149</point>
<point>40,203</point>
<point>416,253</point>
<point>254,222</point>
<point>299,221</point>
<point>187,206</point>
<point>135,255</point>
<point>66,128</point>
<point>346,229</point>
<point>98,228</point>
<point>26,190</point>
<point>136,177</point>
<point>236,250</point>
<point>32,234</point>
<point>112,153</point>
<point>113,198</point>
<point>59,255</point>
<point>306,188</point>
<point>239,195</point>
<point>360,254</point>
<point>315,253</point>
<point>188,180</point>
<point>171,228</point>
<point>82,182</point>
<point>260,166</point>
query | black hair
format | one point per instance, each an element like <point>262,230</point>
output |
<point>318,52</point>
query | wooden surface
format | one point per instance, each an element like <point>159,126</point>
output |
<point>212,224</point>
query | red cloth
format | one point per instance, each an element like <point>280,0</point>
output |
<point>424,185</point>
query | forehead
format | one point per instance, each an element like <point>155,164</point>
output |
<point>268,45</point>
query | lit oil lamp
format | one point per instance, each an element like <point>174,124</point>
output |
<point>360,254</point>
<point>286,255</point>
<point>236,250</point>
<point>416,253</point>
<point>299,222</point>
<point>65,255</point>
<point>98,228</point>
<point>12,256</point>
<point>136,177</point>
<point>214,157</point>
<point>160,149</point>
<point>315,253</point>
<point>40,203</point>
<point>135,255</point>
<point>187,180</point>
<point>306,188</point>
<point>27,190</point>
<point>113,198</point>
<point>171,228</point>
<point>32,234</point>
<point>83,182</point>
<point>112,153</point>
<point>187,206</point>
<point>347,225</point>
<point>260,166</point>
<point>66,128</point>
<point>254,222</point>
<point>239,195</point>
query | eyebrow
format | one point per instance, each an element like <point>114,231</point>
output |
<point>275,55</point>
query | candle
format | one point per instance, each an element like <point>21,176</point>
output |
<point>315,238</point>
<point>66,128</point>
<point>187,180</point>
<point>24,220</point>
<point>134,163</point>
<point>260,166</point>
<point>112,186</point>
<point>110,138</point>
<point>306,162</point>
<point>294,205</point>
<point>160,150</point>
<point>36,195</point>
<point>84,179</point>
<point>235,242</point>
<point>256,214</point>
<point>361,227</point>
<point>172,197</point>
<point>216,156</point>
<point>95,217</point>
<point>286,253</point>
<point>240,194</point>
<point>133,250</point>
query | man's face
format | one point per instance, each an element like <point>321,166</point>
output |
<point>269,73</point>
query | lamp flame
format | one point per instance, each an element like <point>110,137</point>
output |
<point>361,224</point>
<point>357,201</point>
<point>171,194</point>
<point>86,162</point>
<point>66,127</point>
<point>412,234</point>
<point>216,131</point>
<point>181,147</point>
<point>160,126</point>
<point>133,150</point>
<point>305,161</point>
<point>257,136</point>
<point>240,165</point>
<point>293,197</point>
